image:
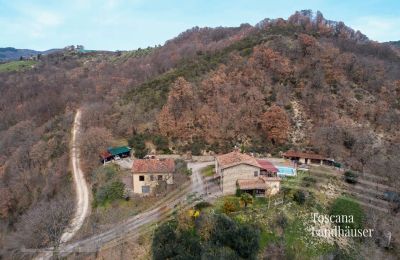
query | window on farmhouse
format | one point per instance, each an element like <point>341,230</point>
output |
<point>141,178</point>
<point>159,177</point>
<point>255,173</point>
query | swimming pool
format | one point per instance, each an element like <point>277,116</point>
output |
<point>286,171</point>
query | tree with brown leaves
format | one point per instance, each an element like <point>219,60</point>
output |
<point>275,123</point>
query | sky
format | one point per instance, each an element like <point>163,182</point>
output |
<point>130,24</point>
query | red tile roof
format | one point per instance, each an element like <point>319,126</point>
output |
<point>153,166</point>
<point>105,155</point>
<point>303,155</point>
<point>266,165</point>
<point>252,184</point>
<point>235,158</point>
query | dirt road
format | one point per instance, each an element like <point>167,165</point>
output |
<point>197,182</point>
<point>81,188</point>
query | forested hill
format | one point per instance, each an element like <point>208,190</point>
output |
<point>304,83</point>
<point>395,43</point>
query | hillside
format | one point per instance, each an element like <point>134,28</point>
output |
<point>303,83</point>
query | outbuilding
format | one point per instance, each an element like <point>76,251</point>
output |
<point>304,157</point>
<point>114,152</point>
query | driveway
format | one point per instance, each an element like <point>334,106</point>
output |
<point>124,163</point>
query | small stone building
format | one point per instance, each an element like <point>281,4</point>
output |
<point>148,173</point>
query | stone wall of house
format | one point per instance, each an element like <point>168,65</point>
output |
<point>137,184</point>
<point>232,174</point>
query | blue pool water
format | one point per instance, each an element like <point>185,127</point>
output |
<point>286,171</point>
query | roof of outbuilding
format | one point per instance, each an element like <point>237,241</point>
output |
<point>105,155</point>
<point>118,150</point>
<point>235,158</point>
<point>252,184</point>
<point>303,155</point>
<point>153,166</point>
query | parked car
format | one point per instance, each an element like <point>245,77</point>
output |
<point>117,158</point>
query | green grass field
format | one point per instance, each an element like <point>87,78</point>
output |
<point>208,171</point>
<point>20,65</point>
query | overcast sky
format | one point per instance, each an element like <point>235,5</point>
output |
<point>130,24</point>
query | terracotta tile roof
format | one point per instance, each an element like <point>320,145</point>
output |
<point>266,165</point>
<point>235,158</point>
<point>251,184</point>
<point>153,166</point>
<point>303,155</point>
<point>105,155</point>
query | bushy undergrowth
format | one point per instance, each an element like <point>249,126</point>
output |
<point>208,237</point>
<point>107,186</point>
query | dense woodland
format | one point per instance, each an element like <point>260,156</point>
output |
<point>304,83</point>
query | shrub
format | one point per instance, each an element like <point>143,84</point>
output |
<point>285,191</point>
<point>346,206</point>
<point>230,205</point>
<point>197,146</point>
<point>109,193</point>
<point>161,144</point>
<point>247,241</point>
<point>181,167</point>
<point>299,197</point>
<point>281,220</point>
<point>350,177</point>
<point>348,140</point>
<point>224,239</point>
<point>242,238</point>
<point>202,205</point>
<point>138,143</point>
<point>246,199</point>
<point>308,181</point>
<point>163,238</point>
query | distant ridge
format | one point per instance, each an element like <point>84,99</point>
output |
<point>394,43</point>
<point>10,53</point>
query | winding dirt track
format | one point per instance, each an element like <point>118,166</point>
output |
<point>82,192</point>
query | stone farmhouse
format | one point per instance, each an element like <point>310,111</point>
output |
<point>241,171</point>
<point>148,173</point>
